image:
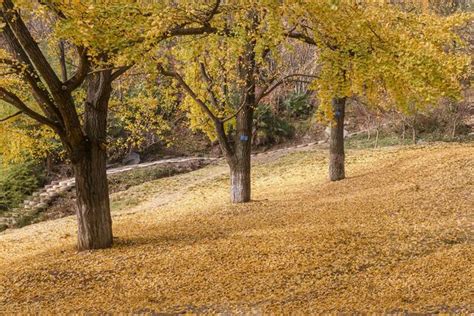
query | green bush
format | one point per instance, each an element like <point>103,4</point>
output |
<point>269,128</point>
<point>17,182</point>
<point>298,105</point>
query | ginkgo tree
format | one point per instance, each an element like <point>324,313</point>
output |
<point>389,55</point>
<point>226,74</point>
<point>32,85</point>
<point>34,88</point>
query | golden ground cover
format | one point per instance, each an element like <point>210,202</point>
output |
<point>396,235</point>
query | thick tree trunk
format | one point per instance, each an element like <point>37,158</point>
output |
<point>240,182</point>
<point>240,167</point>
<point>93,210</point>
<point>336,141</point>
<point>93,207</point>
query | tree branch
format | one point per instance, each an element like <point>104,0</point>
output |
<point>62,60</point>
<point>284,80</point>
<point>242,105</point>
<point>308,39</point>
<point>23,35</point>
<point>30,75</point>
<point>16,102</point>
<point>213,12</point>
<point>188,90</point>
<point>218,124</point>
<point>209,83</point>
<point>302,37</point>
<point>10,116</point>
<point>53,8</point>
<point>81,73</point>
<point>120,71</point>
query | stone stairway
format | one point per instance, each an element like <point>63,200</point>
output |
<point>43,198</point>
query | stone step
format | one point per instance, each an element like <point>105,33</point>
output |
<point>45,200</point>
<point>44,195</point>
<point>42,206</point>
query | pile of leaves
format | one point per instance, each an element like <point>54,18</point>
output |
<point>395,236</point>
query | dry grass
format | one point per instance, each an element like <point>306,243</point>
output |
<point>396,235</point>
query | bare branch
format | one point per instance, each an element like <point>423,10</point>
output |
<point>10,116</point>
<point>283,80</point>
<point>120,71</point>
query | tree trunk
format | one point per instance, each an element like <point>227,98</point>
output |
<point>62,61</point>
<point>240,167</point>
<point>368,127</point>
<point>240,182</point>
<point>413,130</point>
<point>453,132</point>
<point>403,132</point>
<point>376,138</point>
<point>93,206</point>
<point>336,141</point>
<point>93,210</point>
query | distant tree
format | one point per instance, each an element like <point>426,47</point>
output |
<point>408,58</point>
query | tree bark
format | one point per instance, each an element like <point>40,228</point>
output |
<point>93,206</point>
<point>62,60</point>
<point>336,141</point>
<point>240,169</point>
<point>413,130</point>
<point>93,210</point>
<point>240,166</point>
<point>453,132</point>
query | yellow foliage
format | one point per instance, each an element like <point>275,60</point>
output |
<point>377,50</point>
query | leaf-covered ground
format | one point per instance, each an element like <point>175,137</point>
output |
<point>397,235</point>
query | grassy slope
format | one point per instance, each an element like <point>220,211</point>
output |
<point>397,234</point>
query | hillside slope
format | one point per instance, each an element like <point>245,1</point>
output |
<point>395,235</point>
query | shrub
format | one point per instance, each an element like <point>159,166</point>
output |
<point>298,105</point>
<point>269,128</point>
<point>17,182</point>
